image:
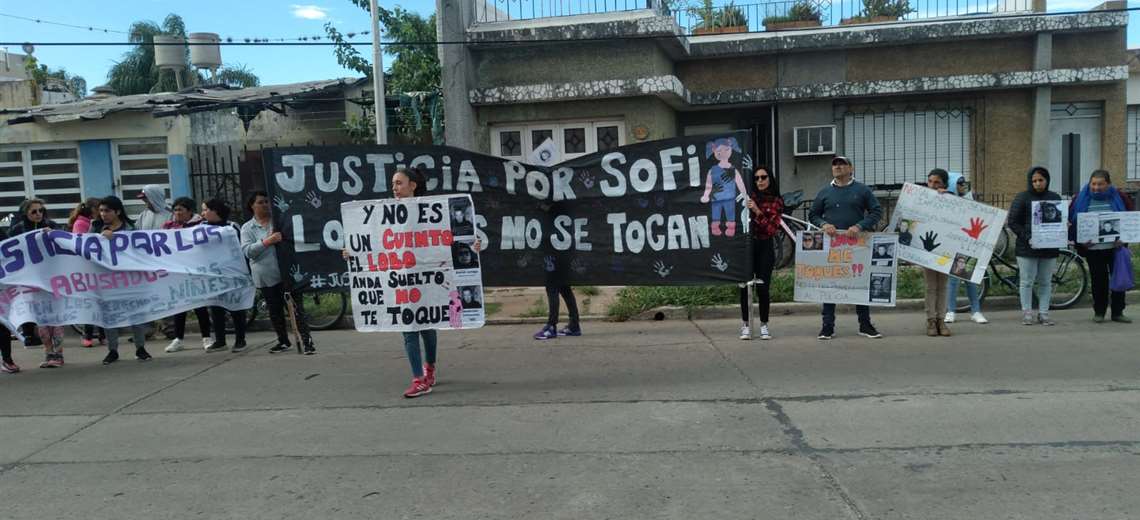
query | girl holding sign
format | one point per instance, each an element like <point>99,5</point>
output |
<point>1099,195</point>
<point>961,187</point>
<point>412,183</point>
<point>1035,265</point>
<point>113,219</point>
<point>766,207</point>
<point>936,282</point>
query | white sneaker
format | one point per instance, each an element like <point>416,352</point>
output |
<point>978,318</point>
<point>764,332</point>
<point>745,333</point>
<point>174,346</point>
<point>949,317</point>
<point>206,342</point>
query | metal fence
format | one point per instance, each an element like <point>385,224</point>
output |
<point>728,16</point>
<point>487,11</point>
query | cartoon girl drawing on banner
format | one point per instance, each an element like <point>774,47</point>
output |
<point>723,183</point>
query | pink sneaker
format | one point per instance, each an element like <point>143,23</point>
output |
<point>429,375</point>
<point>9,368</point>
<point>87,342</point>
<point>57,361</point>
<point>419,387</point>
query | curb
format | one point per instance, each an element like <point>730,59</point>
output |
<point>783,309</point>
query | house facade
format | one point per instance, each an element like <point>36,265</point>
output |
<point>987,90</point>
<point>190,142</point>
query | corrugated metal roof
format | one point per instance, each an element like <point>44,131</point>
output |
<point>194,99</point>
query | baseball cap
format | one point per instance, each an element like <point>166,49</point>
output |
<point>840,158</point>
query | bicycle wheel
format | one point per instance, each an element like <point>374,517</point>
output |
<point>1004,242</point>
<point>1070,280</point>
<point>325,309</point>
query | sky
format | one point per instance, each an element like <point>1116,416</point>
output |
<point>239,19</point>
<point>229,18</point>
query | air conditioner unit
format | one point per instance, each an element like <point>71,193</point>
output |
<point>814,140</point>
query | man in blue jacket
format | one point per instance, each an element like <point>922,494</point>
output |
<point>848,207</point>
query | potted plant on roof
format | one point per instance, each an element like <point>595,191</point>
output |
<point>803,13</point>
<point>717,20</point>
<point>878,11</point>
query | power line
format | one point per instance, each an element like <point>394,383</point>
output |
<point>227,39</point>
<point>309,43</point>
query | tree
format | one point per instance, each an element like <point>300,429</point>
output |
<point>136,73</point>
<point>415,70</point>
<point>43,76</point>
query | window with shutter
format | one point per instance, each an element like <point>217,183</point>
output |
<point>49,172</point>
<point>890,148</point>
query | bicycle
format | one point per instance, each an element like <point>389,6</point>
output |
<point>1070,280</point>
<point>785,242</point>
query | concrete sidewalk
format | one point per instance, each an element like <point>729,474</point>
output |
<point>669,419</point>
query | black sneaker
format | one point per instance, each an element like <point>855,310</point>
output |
<point>112,356</point>
<point>215,346</point>
<point>868,331</point>
<point>310,349</point>
<point>142,354</point>
<point>238,347</point>
<point>826,333</point>
<point>280,347</point>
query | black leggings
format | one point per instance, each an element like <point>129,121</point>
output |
<point>5,344</point>
<point>552,292</point>
<point>218,321</point>
<point>1100,270</point>
<point>763,260</point>
<point>203,314</point>
<point>275,301</point>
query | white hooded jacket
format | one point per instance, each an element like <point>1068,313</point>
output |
<point>157,212</point>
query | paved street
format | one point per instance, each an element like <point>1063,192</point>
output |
<point>671,419</point>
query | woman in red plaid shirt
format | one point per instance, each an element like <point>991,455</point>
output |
<point>765,206</point>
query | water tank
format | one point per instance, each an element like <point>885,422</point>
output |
<point>168,56</point>
<point>204,50</point>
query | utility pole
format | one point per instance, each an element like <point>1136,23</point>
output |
<point>378,79</point>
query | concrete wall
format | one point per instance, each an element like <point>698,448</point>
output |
<point>317,123</point>
<point>520,65</point>
<point>808,173</point>
<point>1089,49</point>
<point>1005,144</point>
<point>18,94</point>
<point>939,59</point>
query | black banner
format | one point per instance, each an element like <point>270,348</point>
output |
<point>667,212</point>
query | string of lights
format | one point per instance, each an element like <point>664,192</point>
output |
<point>227,39</point>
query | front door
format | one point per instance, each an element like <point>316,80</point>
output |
<point>1074,145</point>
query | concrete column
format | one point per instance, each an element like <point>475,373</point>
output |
<point>1042,100</point>
<point>452,19</point>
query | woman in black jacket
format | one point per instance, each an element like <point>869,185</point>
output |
<point>1035,265</point>
<point>33,216</point>
<point>216,212</point>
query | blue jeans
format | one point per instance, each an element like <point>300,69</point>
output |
<point>412,347</point>
<point>971,293</point>
<point>1039,270</point>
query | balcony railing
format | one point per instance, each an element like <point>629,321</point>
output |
<point>801,14</point>
<point>503,10</point>
<point>725,16</point>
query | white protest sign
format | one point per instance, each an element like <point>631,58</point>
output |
<point>945,232</point>
<point>1107,227</point>
<point>860,270</point>
<point>412,263</point>
<point>58,278</point>
<point>1049,224</point>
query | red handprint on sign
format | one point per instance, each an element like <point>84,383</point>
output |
<point>976,228</point>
